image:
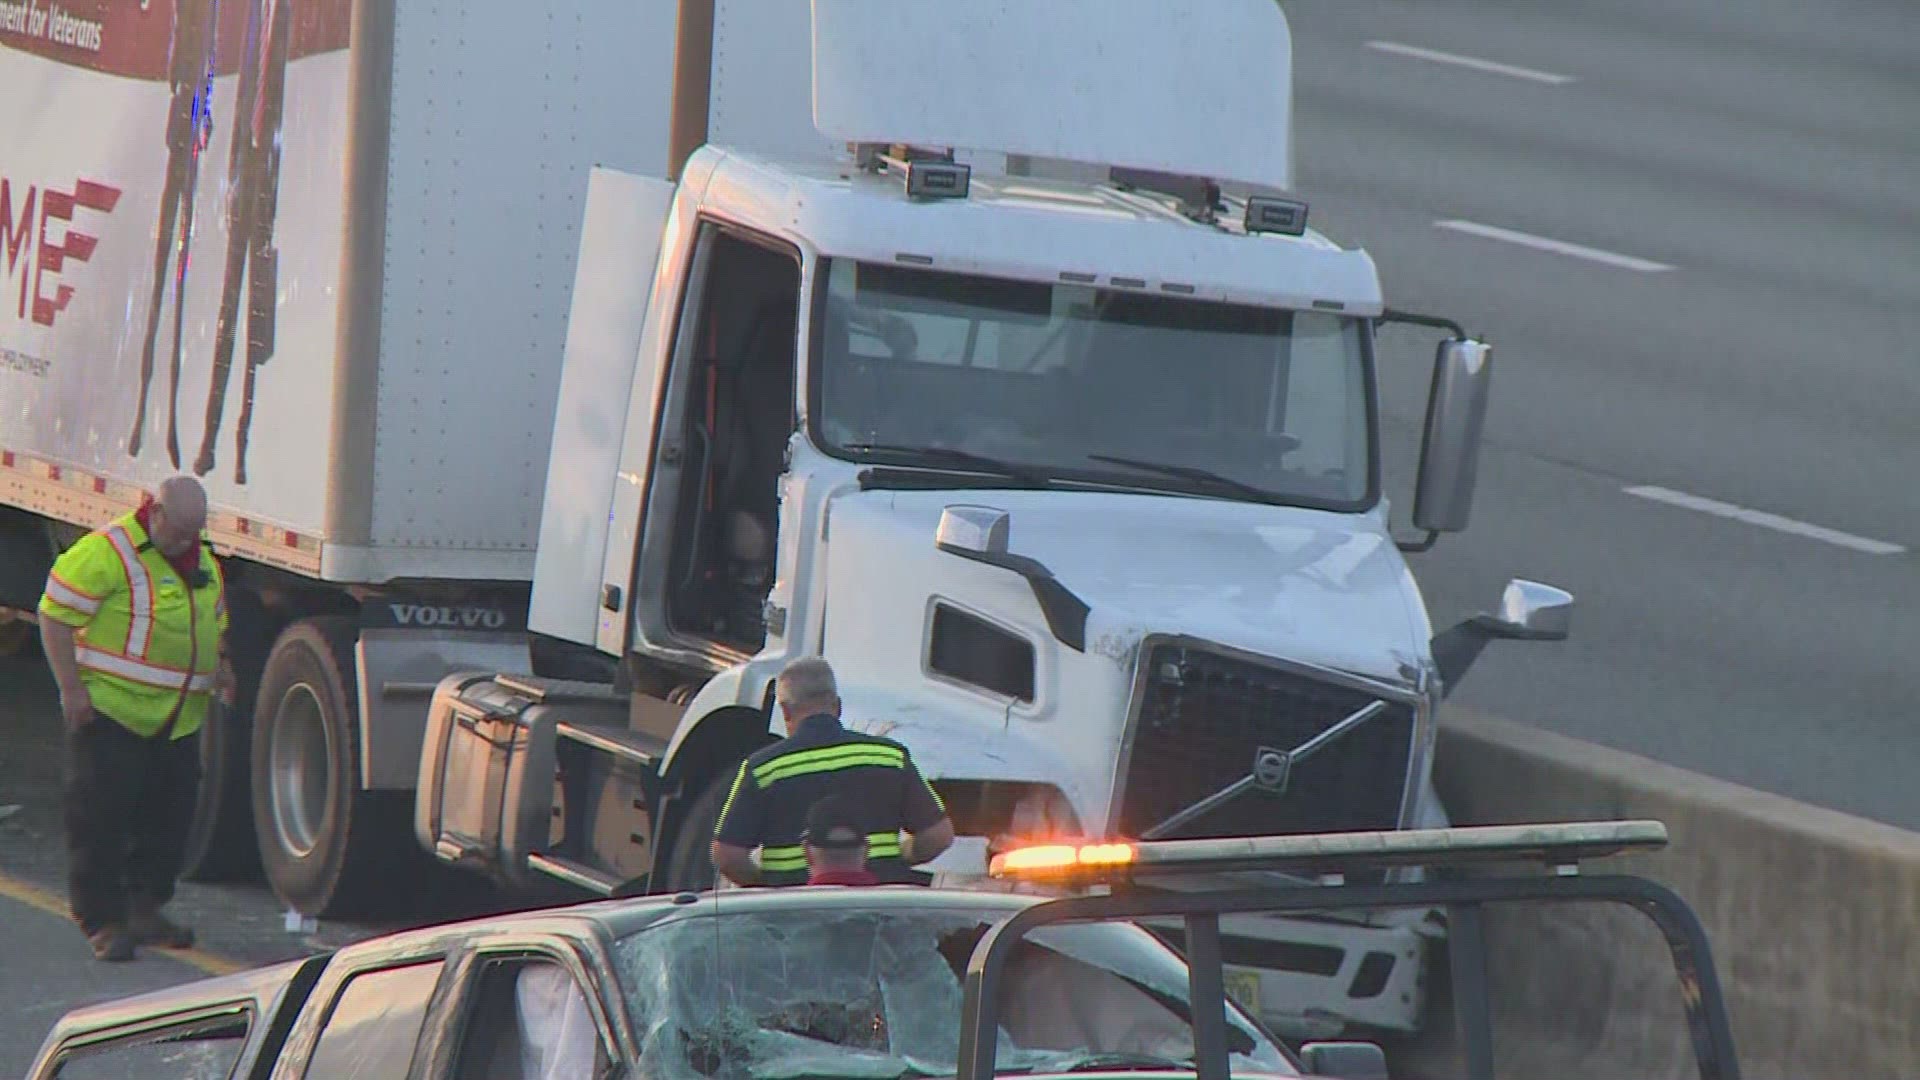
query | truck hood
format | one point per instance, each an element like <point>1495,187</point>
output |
<point>1305,585</point>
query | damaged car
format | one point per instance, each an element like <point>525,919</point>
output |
<point>904,982</point>
<point>830,983</point>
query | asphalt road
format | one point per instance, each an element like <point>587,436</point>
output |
<point>48,971</point>
<point>1744,331</point>
<point>45,965</point>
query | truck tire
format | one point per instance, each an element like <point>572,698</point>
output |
<point>220,841</point>
<point>323,842</point>
<point>690,859</point>
<point>220,846</point>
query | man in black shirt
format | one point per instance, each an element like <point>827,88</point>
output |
<point>776,786</point>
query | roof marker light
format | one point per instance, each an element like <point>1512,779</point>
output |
<point>1266,214</point>
<point>937,180</point>
<point>929,174</point>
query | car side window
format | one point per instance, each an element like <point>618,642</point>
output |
<point>528,1019</point>
<point>375,1022</point>
<point>205,1049</point>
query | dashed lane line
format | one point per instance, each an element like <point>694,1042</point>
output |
<point>1765,520</point>
<point>1558,247</point>
<point>1492,67</point>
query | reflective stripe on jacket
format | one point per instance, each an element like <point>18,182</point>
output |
<point>767,805</point>
<point>147,642</point>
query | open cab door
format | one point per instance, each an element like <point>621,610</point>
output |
<point>604,367</point>
<point>695,513</point>
<point>670,434</point>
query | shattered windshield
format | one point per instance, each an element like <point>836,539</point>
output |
<point>1073,382</point>
<point>872,994</point>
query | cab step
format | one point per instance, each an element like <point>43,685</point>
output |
<point>579,875</point>
<point>621,743</point>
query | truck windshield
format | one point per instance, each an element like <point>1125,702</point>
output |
<point>1073,382</point>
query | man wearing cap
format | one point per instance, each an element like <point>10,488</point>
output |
<point>836,848</point>
<point>777,786</point>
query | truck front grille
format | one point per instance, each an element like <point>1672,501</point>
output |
<point>1204,716</point>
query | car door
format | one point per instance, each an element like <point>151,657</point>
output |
<point>526,1007</point>
<point>367,1021</point>
<point>204,1043</point>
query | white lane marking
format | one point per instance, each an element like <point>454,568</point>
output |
<point>1456,59</point>
<point>1559,247</point>
<point>1765,520</point>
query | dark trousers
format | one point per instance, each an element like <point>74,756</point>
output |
<point>129,804</point>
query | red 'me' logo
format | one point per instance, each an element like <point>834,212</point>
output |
<point>26,235</point>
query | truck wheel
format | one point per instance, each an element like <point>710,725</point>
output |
<point>323,842</point>
<point>690,861</point>
<point>220,842</point>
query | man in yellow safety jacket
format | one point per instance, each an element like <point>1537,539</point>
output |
<point>134,622</point>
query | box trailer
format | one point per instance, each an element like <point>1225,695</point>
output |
<point>318,253</point>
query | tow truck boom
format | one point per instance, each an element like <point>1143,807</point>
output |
<point>1126,867</point>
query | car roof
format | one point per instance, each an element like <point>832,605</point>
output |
<point>620,917</point>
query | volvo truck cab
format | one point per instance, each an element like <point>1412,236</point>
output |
<point>1037,409</point>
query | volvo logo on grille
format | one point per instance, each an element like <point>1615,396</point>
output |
<point>1272,769</point>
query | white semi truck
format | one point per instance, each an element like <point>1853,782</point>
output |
<point>977,347</point>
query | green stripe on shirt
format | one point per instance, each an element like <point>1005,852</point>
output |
<point>827,759</point>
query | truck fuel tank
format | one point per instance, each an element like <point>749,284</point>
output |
<point>519,774</point>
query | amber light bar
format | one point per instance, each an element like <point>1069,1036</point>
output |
<point>1558,844</point>
<point>1048,858</point>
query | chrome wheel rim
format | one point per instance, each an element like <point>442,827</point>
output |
<point>301,771</point>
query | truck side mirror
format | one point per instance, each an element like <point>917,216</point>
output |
<point>1450,447</point>
<point>975,530</point>
<point>1352,1060</point>
<point>1529,611</point>
<point>979,533</point>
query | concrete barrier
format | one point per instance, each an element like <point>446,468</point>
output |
<point>1814,916</point>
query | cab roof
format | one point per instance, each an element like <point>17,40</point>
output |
<point>1036,229</point>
